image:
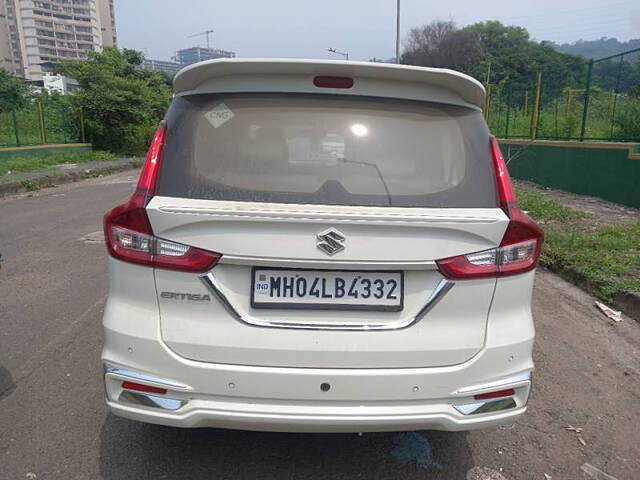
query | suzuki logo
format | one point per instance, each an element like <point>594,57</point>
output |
<point>331,241</point>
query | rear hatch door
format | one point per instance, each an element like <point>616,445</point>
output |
<point>269,180</point>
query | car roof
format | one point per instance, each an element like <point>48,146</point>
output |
<point>224,75</point>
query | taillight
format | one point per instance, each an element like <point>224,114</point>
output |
<point>521,243</point>
<point>128,233</point>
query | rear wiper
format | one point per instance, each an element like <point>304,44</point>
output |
<point>373,165</point>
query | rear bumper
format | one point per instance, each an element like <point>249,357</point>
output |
<point>293,418</point>
<point>294,399</point>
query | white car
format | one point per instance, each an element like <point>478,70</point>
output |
<point>321,246</point>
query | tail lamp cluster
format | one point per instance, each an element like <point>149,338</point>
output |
<point>128,232</point>
<point>521,243</point>
<point>130,238</point>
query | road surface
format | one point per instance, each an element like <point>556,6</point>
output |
<point>54,424</point>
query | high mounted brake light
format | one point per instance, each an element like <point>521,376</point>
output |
<point>521,243</point>
<point>128,232</point>
<point>333,82</point>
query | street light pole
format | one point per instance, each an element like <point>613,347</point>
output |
<point>344,54</point>
<point>398,31</point>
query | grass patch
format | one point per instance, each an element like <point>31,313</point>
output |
<point>542,208</point>
<point>606,261</point>
<point>28,164</point>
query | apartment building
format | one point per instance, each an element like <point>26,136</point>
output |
<point>184,57</point>
<point>188,56</point>
<point>35,34</point>
<point>161,66</point>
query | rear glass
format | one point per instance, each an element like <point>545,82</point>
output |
<point>325,149</point>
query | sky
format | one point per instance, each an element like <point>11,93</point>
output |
<point>363,28</point>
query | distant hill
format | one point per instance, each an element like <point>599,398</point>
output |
<point>598,48</point>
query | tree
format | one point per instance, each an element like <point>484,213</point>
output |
<point>504,51</point>
<point>513,56</point>
<point>616,74</point>
<point>603,47</point>
<point>440,44</point>
<point>122,103</point>
<point>493,52</point>
<point>14,93</point>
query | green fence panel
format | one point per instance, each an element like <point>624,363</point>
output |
<point>62,124</point>
<point>599,100</point>
<point>599,170</point>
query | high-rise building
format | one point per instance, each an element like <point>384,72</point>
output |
<point>187,56</point>
<point>35,34</point>
<point>107,23</point>
<point>161,66</point>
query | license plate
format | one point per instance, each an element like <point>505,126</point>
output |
<point>327,289</point>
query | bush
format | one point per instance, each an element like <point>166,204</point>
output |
<point>30,185</point>
<point>569,126</point>
<point>627,120</point>
<point>128,139</point>
<point>14,92</point>
<point>123,104</point>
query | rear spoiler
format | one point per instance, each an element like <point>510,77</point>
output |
<point>227,75</point>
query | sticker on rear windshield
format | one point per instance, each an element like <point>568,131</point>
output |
<point>219,115</point>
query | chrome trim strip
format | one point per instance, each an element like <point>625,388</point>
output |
<point>486,407</point>
<point>153,401</point>
<point>334,264</point>
<point>333,214</point>
<point>123,372</point>
<point>505,382</point>
<point>211,282</point>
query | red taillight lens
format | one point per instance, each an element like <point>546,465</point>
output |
<point>497,394</point>
<point>333,82</point>
<point>139,387</point>
<point>128,233</point>
<point>151,169</point>
<point>521,243</point>
<point>506,194</point>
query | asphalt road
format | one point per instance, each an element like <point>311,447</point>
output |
<point>54,425</point>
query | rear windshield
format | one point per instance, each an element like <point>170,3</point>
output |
<point>325,149</point>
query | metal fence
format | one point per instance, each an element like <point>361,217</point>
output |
<point>42,123</point>
<point>606,107</point>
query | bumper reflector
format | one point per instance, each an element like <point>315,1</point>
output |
<point>497,394</point>
<point>139,387</point>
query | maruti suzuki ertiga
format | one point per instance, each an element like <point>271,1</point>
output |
<point>321,246</point>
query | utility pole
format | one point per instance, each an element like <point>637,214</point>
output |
<point>398,31</point>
